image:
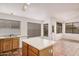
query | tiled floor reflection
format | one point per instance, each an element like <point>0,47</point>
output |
<point>66,47</point>
<point>58,48</point>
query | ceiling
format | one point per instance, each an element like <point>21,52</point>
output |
<point>43,11</point>
<point>63,11</point>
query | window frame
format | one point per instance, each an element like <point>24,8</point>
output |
<point>73,32</point>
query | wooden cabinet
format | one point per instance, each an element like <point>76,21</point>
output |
<point>8,44</point>
<point>47,51</point>
<point>1,45</point>
<point>31,53</point>
<point>36,51</point>
<point>28,50</point>
<point>24,49</point>
<point>15,43</point>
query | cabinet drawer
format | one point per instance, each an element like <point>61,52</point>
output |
<point>30,53</point>
<point>36,51</point>
<point>7,45</point>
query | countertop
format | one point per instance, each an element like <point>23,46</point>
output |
<point>38,42</point>
<point>3,37</point>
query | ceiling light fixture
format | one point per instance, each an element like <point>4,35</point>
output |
<point>25,6</point>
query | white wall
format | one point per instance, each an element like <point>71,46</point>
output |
<point>55,35</point>
<point>71,36</point>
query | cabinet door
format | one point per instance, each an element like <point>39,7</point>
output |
<point>15,43</point>
<point>24,49</point>
<point>31,53</point>
<point>1,45</point>
<point>10,44</point>
<point>7,44</point>
<point>36,51</point>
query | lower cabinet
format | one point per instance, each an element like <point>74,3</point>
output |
<point>8,44</point>
<point>1,45</point>
<point>15,43</point>
<point>31,53</point>
<point>47,51</point>
<point>28,50</point>
<point>24,49</point>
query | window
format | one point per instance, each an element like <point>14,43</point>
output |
<point>45,29</point>
<point>75,27</point>
<point>68,28</point>
<point>72,27</point>
<point>59,27</point>
<point>52,28</point>
<point>34,29</point>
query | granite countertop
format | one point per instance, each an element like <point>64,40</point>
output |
<point>38,42</point>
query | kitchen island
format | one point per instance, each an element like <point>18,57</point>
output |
<point>37,46</point>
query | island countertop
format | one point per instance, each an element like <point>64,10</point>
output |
<point>38,42</point>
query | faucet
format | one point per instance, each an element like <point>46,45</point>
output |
<point>11,35</point>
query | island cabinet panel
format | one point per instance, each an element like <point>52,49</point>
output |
<point>31,53</point>
<point>24,49</point>
<point>29,50</point>
<point>8,44</point>
<point>34,50</point>
<point>47,51</point>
